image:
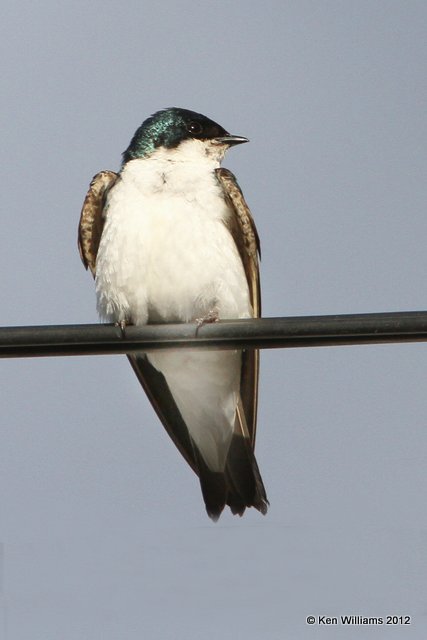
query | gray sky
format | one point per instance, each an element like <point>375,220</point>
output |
<point>102,523</point>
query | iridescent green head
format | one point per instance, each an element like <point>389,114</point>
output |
<point>169,127</point>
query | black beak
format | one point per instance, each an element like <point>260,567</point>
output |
<point>230,140</point>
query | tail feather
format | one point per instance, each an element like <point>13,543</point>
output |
<point>240,486</point>
<point>214,488</point>
<point>246,488</point>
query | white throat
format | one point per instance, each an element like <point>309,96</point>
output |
<point>186,169</point>
<point>192,151</point>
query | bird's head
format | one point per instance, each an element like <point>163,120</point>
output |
<point>171,128</point>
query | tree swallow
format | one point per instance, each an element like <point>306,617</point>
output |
<point>171,239</point>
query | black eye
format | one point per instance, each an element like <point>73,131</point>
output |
<point>194,127</point>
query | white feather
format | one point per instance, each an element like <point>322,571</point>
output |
<point>167,256</point>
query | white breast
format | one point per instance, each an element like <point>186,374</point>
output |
<point>165,253</point>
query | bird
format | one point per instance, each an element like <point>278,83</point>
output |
<point>170,239</point>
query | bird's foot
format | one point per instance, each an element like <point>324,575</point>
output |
<point>209,318</point>
<point>122,326</point>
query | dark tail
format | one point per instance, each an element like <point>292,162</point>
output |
<point>240,485</point>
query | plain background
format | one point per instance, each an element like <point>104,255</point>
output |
<point>103,529</point>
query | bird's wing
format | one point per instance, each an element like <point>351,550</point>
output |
<point>157,389</point>
<point>92,219</point>
<point>242,227</point>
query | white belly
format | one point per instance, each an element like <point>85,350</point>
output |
<point>168,257</point>
<point>164,257</point>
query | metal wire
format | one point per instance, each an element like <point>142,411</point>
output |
<point>265,333</point>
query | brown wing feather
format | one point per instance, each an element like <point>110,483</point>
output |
<point>242,227</point>
<point>92,219</point>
